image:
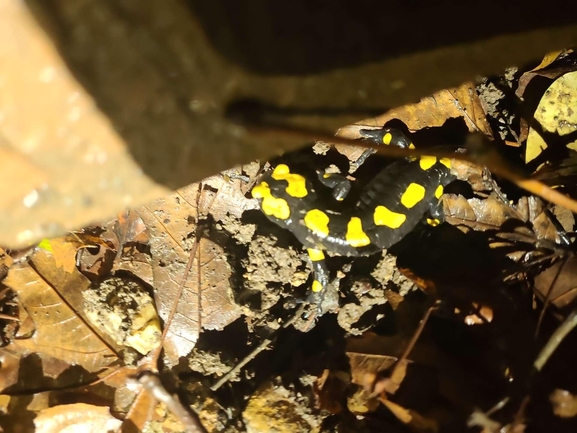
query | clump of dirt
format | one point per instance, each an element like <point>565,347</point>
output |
<point>388,275</point>
<point>124,310</point>
<point>273,407</point>
<point>268,268</point>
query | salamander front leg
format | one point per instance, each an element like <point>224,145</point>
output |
<point>387,136</point>
<point>340,185</point>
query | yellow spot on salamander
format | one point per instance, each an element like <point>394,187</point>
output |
<point>388,218</point>
<point>297,184</point>
<point>315,255</point>
<point>261,190</point>
<point>434,222</point>
<point>355,236</point>
<point>412,146</point>
<point>270,205</point>
<point>318,222</point>
<point>413,195</point>
<point>317,286</point>
<point>446,162</point>
<point>387,138</point>
<point>280,170</point>
<point>439,191</point>
<point>427,162</point>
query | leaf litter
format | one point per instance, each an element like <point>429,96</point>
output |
<point>236,343</point>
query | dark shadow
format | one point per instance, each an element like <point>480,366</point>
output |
<point>306,36</point>
<point>253,112</point>
<point>164,89</point>
<point>73,385</point>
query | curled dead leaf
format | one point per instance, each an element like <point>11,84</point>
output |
<point>432,111</point>
<point>78,417</point>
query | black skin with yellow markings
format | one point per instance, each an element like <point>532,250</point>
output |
<point>389,207</point>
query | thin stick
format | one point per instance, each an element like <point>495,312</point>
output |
<point>547,301</point>
<point>415,337</point>
<point>492,160</point>
<point>156,354</point>
<point>558,336</point>
<point>152,384</point>
<point>262,346</point>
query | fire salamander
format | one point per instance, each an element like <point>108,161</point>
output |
<point>389,207</point>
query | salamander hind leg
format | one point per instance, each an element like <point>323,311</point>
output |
<point>436,215</point>
<point>320,275</point>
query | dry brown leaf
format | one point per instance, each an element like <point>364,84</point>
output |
<point>65,248</point>
<point>564,292</point>
<point>533,209</point>
<point>67,281</point>
<point>206,300</point>
<point>516,230</point>
<point>10,369</point>
<point>564,403</point>
<point>59,332</point>
<point>490,213</point>
<point>364,365</point>
<point>417,422</point>
<point>141,410</point>
<point>432,111</point>
<point>543,70</point>
<point>118,246</point>
<point>136,263</point>
<point>78,417</point>
<point>64,252</point>
<point>96,252</point>
<point>229,198</point>
<point>129,227</point>
<point>370,372</point>
<point>5,263</point>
